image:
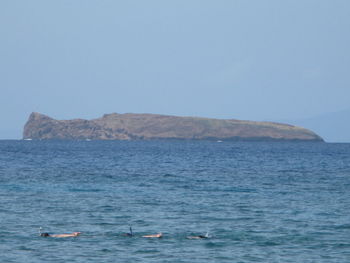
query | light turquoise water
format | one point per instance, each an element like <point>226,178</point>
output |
<point>260,202</point>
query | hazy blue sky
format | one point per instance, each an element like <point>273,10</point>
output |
<point>257,60</point>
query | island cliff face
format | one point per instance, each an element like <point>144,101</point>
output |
<point>152,126</point>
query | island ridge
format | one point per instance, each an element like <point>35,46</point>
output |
<point>131,126</point>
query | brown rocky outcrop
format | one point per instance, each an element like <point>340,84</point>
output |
<point>152,126</point>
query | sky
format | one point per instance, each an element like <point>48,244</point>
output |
<point>246,59</point>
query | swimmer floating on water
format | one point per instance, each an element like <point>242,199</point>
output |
<point>199,236</point>
<point>74,234</point>
<point>159,235</point>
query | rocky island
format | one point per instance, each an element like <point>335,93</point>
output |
<point>153,126</point>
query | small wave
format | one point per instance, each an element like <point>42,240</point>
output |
<point>342,245</point>
<point>212,244</point>
<point>24,248</point>
<point>105,250</point>
<point>169,175</point>
<point>85,190</point>
<point>344,226</point>
<point>147,251</point>
<point>269,243</point>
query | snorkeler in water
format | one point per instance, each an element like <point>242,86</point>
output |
<point>159,235</point>
<point>130,234</point>
<point>199,236</point>
<point>74,234</point>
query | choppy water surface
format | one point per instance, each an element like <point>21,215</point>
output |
<point>260,202</point>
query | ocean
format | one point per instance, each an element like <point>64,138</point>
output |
<point>258,201</point>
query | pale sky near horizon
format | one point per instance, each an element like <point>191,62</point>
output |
<point>255,60</point>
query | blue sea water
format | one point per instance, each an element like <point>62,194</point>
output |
<point>260,201</point>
